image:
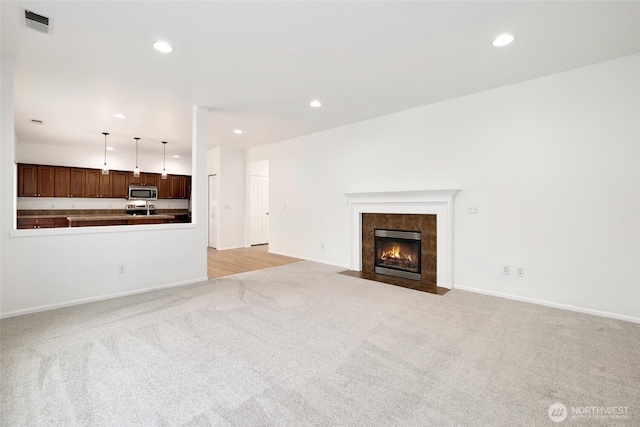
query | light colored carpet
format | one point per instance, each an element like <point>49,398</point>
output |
<point>300,345</point>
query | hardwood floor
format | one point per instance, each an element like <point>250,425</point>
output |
<point>232,261</point>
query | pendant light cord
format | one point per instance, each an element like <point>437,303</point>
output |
<point>137,139</point>
<point>105,147</point>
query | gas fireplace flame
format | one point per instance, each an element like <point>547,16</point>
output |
<point>394,253</point>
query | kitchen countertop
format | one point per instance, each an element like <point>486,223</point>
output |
<point>41,216</point>
<point>118,217</point>
<point>92,213</point>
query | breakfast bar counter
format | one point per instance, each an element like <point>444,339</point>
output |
<point>29,219</point>
<point>126,219</point>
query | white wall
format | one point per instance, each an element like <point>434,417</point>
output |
<point>231,198</point>
<point>553,165</point>
<point>229,165</point>
<point>44,269</point>
<point>259,168</point>
<point>57,155</point>
<point>213,161</point>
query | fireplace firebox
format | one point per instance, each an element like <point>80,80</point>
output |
<point>398,253</point>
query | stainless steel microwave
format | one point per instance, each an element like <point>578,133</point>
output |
<point>143,192</point>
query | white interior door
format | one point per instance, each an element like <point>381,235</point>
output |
<point>259,196</point>
<point>213,211</point>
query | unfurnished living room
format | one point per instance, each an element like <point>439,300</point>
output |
<point>320,213</point>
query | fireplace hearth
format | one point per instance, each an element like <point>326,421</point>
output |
<point>398,253</point>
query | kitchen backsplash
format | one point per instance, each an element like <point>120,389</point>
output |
<point>43,203</point>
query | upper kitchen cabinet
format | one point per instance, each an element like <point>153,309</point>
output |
<point>96,184</point>
<point>69,182</point>
<point>119,184</point>
<point>63,181</point>
<point>145,178</point>
<point>186,187</point>
<point>163,188</point>
<point>36,180</point>
<point>174,187</point>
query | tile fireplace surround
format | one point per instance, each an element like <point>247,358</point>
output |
<point>424,223</point>
<point>436,202</point>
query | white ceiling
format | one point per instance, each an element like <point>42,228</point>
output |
<point>257,65</point>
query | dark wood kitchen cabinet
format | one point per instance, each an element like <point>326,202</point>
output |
<point>25,223</point>
<point>34,223</point>
<point>163,188</point>
<point>174,187</point>
<point>69,182</point>
<point>186,187</point>
<point>96,184</point>
<point>150,179</point>
<point>64,181</point>
<point>36,180</point>
<point>145,178</point>
<point>119,184</point>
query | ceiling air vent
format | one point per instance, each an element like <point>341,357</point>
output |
<point>37,22</point>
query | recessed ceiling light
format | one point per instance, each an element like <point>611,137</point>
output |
<point>237,131</point>
<point>119,116</point>
<point>503,40</point>
<point>315,103</point>
<point>163,47</point>
<point>175,156</point>
<point>110,148</point>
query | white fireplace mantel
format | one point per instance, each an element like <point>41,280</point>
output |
<point>435,202</point>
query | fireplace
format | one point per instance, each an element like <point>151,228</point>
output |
<point>398,253</point>
<point>429,211</point>
<point>400,245</point>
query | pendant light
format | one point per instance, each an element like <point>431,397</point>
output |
<point>164,159</point>
<point>105,168</point>
<point>136,171</point>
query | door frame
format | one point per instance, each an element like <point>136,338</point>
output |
<point>216,222</point>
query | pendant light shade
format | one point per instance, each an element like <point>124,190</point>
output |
<point>136,171</point>
<point>105,168</point>
<point>164,159</point>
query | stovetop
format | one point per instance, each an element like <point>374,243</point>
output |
<point>139,208</point>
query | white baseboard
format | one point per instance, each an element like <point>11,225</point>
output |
<point>100,298</point>
<point>230,247</point>
<point>551,304</point>
<point>319,261</point>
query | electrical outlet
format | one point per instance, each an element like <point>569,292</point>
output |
<point>322,245</point>
<point>506,270</point>
<point>122,269</point>
<point>520,272</point>
<point>472,209</point>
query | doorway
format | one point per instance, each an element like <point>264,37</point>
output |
<point>259,202</point>
<point>259,212</point>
